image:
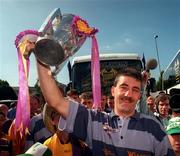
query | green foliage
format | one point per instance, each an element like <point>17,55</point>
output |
<point>159,82</point>
<point>4,83</point>
<point>6,91</point>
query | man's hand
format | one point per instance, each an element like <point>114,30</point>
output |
<point>145,76</point>
<point>29,48</point>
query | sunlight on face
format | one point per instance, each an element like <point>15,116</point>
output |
<point>126,95</point>
<point>163,107</point>
<point>175,142</point>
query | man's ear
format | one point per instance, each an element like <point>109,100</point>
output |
<point>112,90</point>
<point>141,95</point>
<point>52,122</point>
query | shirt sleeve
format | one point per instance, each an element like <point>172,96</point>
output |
<point>77,121</point>
<point>68,123</point>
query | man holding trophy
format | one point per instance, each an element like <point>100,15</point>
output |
<point>123,132</point>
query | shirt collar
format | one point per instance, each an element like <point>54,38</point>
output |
<point>135,116</point>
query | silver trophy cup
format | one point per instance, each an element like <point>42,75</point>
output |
<point>57,40</point>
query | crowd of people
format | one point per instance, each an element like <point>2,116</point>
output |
<point>66,124</point>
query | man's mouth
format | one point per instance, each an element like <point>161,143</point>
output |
<point>127,100</point>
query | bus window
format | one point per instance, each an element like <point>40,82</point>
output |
<point>171,76</point>
<point>109,67</point>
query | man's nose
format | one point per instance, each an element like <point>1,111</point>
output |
<point>128,93</point>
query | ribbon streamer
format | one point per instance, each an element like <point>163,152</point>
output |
<point>22,42</point>
<point>95,74</point>
<point>82,28</point>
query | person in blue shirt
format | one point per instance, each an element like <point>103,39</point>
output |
<point>124,131</point>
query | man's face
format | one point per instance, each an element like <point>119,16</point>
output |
<point>4,109</point>
<point>2,118</point>
<point>103,101</point>
<point>35,105</point>
<point>150,103</point>
<point>110,102</point>
<point>126,94</point>
<point>175,142</point>
<point>163,108</point>
<point>87,102</point>
<point>75,97</point>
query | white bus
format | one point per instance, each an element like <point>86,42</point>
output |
<point>171,75</point>
<point>110,64</point>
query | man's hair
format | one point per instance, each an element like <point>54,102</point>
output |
<point>150,97</point>
<point>35,96</point>
<point>72,92</point>
<point>134,73</point>
<point>110,97</point>
<point>161,97</point>
<point>86,95</point>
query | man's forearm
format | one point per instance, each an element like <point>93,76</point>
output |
<point>50,90</point>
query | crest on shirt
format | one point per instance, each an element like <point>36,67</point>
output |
<point>130,153</point>
<point>108,152</point>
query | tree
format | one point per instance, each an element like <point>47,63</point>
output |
<point>3,83</point>
<point>159,82</point>
<point>6,91</point>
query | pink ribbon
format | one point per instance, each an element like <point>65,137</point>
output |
<point>23,106</point>
<point>95,74</point>
<point>22,119</point>
<point>81,27</point>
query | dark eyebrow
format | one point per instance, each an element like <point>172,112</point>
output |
<point>123,84</point>
<point>126,85</point>
<point>137,88</point>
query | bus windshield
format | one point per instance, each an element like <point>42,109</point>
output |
<point>171,76</point>
<point>81,73</point>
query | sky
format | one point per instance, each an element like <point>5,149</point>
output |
<point>125,26</point>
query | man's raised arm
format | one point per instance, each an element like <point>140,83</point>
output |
<point>50,90</point>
